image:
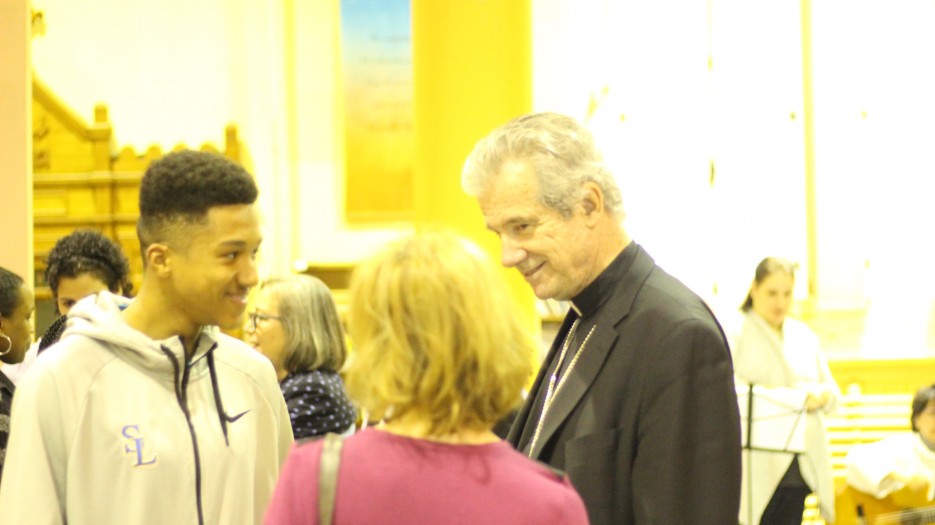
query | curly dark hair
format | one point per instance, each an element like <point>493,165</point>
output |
<point>88,252</point>
<point>183,186</point>
<point>920,402</point>
<point>10,284</point>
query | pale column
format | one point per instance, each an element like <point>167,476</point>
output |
<point>472,72</point>
<point>15,139</point>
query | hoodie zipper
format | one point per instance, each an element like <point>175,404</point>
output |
<point>181,394</point>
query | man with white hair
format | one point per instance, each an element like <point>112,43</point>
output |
<point>635,400</point>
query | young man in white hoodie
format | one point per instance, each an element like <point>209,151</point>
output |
<point>144,412</point>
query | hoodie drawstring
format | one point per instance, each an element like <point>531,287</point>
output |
<point>222,416</point>
<point>181,385</point>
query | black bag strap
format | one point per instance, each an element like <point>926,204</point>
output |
<point>328,477</point>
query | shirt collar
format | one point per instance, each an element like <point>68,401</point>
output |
<point>602,288</point>
<point>207,338</point>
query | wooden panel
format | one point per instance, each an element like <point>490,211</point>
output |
<point>79,183</point>
<point>128,241</point>
<point>884,376</point>
<point>865,418</point>
<point>62,141</point>
<point>72,154</point>
<point>127,195</point>
<point>337,277</point>
<point>49,203</point>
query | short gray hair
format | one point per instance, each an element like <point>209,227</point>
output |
<point>561,151</point>
<point>309,317</point>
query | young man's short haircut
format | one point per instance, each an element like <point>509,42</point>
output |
<point>181,187</point>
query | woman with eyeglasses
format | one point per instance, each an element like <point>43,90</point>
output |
<point>296,326</point>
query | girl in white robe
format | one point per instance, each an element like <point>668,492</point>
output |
<point>783,355</point>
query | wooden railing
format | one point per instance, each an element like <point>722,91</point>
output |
<point>865,418</point>
<point>874,375</point>
<point>79,183</point>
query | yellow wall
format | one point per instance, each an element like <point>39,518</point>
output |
<point>15,140</point>
<point>165,69</point>
<point>472,64</point>
<point>672,89</point>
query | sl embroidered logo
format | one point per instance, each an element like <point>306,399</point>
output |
<point>135,446</point>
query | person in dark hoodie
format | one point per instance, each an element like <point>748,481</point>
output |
<point>145,412</point>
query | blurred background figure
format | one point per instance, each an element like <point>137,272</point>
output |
<point>296,325</point>
<point>83,263</point>
<point>16,309</point>
<point>80,264</point>
<point>899,470</point>
<point>774,351</point>
<point>439,357</point>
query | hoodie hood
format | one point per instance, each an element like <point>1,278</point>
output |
<point>114,440</point>
<point>99,317</point>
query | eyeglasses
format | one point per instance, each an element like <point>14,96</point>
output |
<point>257,316</point>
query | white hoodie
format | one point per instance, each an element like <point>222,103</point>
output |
<point>110,426</point>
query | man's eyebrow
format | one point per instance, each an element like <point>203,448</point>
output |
<point>524,219</point>
<point>232,244</point>
<point>513,220</point>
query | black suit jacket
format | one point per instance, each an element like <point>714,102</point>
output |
<point>647,424</point>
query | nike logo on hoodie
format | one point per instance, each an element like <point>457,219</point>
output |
<point>231,419</point>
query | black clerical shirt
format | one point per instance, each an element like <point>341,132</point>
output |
<point>585,305</point>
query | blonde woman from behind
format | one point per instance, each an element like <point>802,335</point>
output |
<point>439,357</point>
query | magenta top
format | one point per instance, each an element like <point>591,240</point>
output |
<point>389,479</point>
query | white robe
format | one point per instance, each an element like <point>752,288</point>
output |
<point>904,454</point>
<point>794,361</point>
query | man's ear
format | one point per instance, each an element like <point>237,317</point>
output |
<point>592,202</point>
<point>159,259</point>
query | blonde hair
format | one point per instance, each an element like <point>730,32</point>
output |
<point>435,336</point>
<point>309,317</point>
